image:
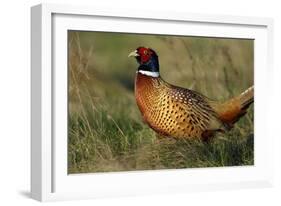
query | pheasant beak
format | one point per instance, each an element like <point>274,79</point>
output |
<point>133,54</point>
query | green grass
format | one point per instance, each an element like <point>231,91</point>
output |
<point>105,129</point>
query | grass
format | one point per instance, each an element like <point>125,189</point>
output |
<point>105,129</point>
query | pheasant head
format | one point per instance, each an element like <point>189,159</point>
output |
<point>148,61</point>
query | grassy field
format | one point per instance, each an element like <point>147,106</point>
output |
<point>105,129</point>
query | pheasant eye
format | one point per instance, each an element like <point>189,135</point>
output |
<point>145,52</point>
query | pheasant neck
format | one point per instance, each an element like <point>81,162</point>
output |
<point>150,68</point>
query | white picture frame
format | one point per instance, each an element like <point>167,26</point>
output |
<point>49,178</point>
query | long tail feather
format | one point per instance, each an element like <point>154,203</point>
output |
<point>247,98</point>
<point>233,109</point>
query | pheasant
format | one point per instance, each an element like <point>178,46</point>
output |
<point>177,112</point>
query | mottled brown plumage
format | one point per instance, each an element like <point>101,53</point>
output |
<point>182,113</point>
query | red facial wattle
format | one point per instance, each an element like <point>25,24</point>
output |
<point>145,54</point>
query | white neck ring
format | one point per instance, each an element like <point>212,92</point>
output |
<point>148,73</point>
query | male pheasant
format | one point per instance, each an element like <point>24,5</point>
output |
<point>178,112</point>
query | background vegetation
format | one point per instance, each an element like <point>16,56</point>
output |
<point>105,129</point>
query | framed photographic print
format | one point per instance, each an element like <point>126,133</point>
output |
<point>134,102</point>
